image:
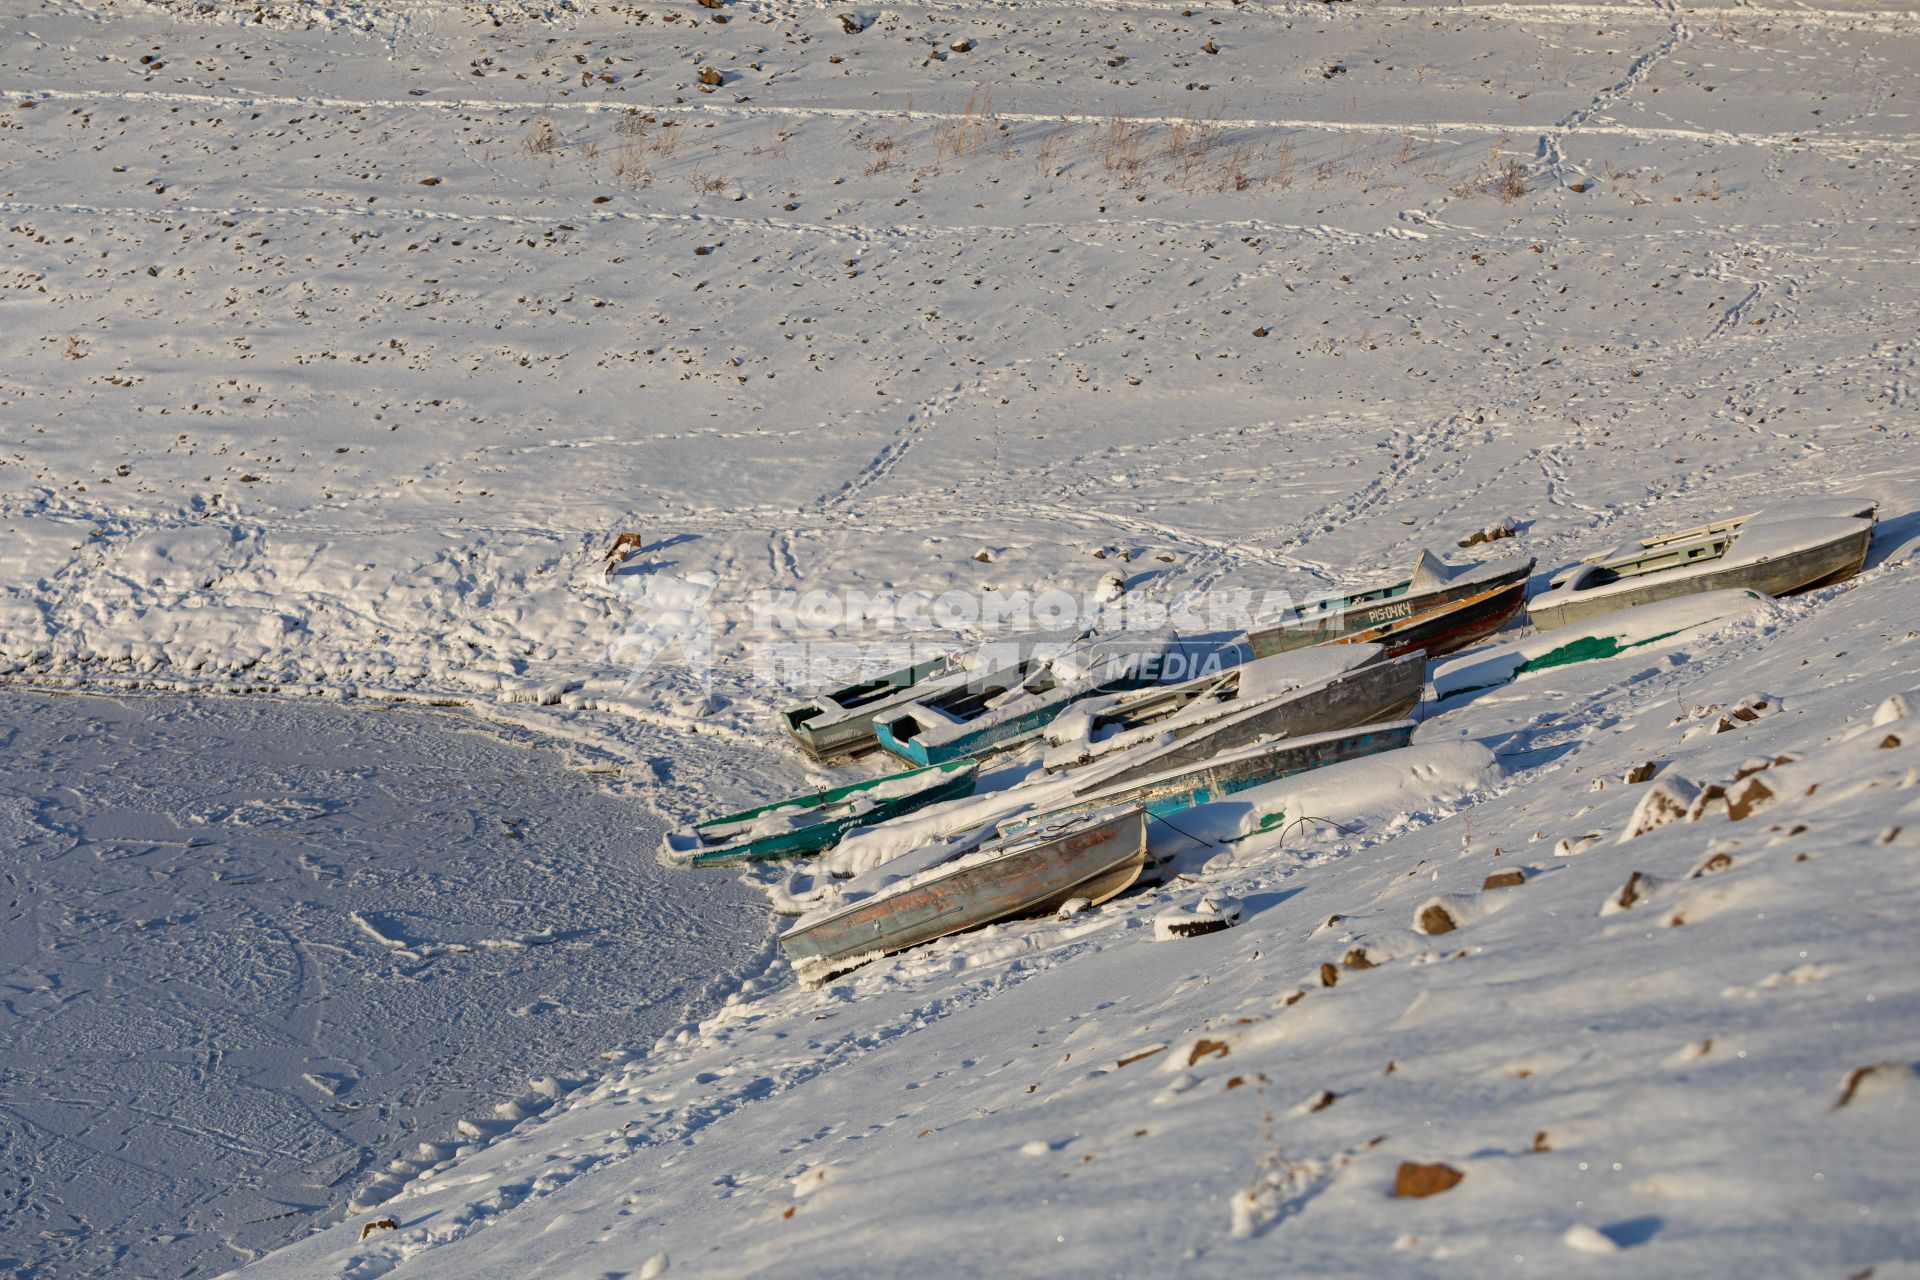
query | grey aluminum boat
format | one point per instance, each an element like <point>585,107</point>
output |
<point>1092,856</point>
<point>1778,552</point>
<point>1105,725</point>
<point>1366,695</point>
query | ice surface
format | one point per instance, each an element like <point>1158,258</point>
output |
<point>252,953</point>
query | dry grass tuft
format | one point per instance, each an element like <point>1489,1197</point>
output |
<point>967,134</point>
<point>542,138</point>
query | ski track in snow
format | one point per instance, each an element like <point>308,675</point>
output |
<point>1820,142</point>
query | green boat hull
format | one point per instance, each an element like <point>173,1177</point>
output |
<point>948,781</point>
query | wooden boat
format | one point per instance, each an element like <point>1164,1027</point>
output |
<point>1092,856</point>
<point>810,823</point>
<point>1613,634</point>
<point>1780,551</point>
<point>1433,586</point>
<point>839,723</point>
<point>1184,783</point>
<point>969,721</point>
<point>1450,626</point>
<point>1108,723</point>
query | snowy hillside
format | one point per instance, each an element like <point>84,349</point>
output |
<point>341,341</point>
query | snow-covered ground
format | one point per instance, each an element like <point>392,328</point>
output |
<point>338,342</point>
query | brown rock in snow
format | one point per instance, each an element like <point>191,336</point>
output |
<point>1418,1180</point>
<point>1746,796</point>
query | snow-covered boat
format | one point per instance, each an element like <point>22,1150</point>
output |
<point>1605,637</point>
<point>839,723</point>
<point>816,821</point>
<point>1778,551</point>
<point>971,719</point>
<point>1090,855</point>
<point>1186,774</point>
<point>1290,694</point>
<point>1456,603</point>
<point>1107,723</point>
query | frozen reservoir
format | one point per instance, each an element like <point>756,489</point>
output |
<point>252,951</point>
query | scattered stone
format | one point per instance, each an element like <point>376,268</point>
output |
<point>1642,772</point>
<point>1329,976</point>
<point>852,23</point>
<point>1504,880</point>
<point>1746,797</point>
<point>984,556</point>
<point>1718,862</point>
<point>963,46</point>
<point>1578,188</point>
<point>1638,886</point>
<point>1434,918</point>
<point>1541,1142</point>
<point>1896,706</point>
<point>1668,800</point>
<point>1712,796</point>
<point>1863,1083</point>
<point>377,1226</point>
<point>1419,1180</point>
<point>1205,1048</point>
<point>1356,959</point>
<point>1492,533</point>
<point>712,76</point>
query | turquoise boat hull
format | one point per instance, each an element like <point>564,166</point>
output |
<point>840,808</point>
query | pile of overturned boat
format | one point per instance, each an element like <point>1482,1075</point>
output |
<point>1113,744</point>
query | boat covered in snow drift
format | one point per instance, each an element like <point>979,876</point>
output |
<point>1185,774</point>
<point>815,821</point>
<point>1605,637</point>
<point>1091,855</point>
<point>1439,607</point>
<point>1779,551</point>
<point>1106,723</point>
<point>1269,704</point>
